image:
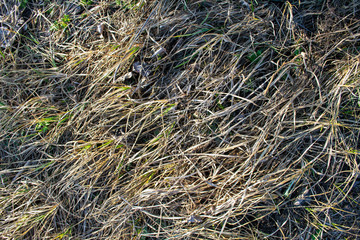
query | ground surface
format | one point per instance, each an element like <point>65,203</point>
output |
<point>157,119</point>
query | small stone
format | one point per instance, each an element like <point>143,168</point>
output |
<point>194,219</point>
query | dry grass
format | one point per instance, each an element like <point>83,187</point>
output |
<point>181,120</point>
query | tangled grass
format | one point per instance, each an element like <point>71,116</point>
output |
<point>164,119</point>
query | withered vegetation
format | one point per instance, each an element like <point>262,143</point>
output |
<point>166,119</point>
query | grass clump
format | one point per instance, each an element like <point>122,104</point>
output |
<point>181,120</point>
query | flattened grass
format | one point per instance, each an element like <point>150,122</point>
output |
<point>242,122</point>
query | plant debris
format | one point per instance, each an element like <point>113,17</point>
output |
<point>10,23</point>
<point>142,68</point>
<point>185,120</point>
